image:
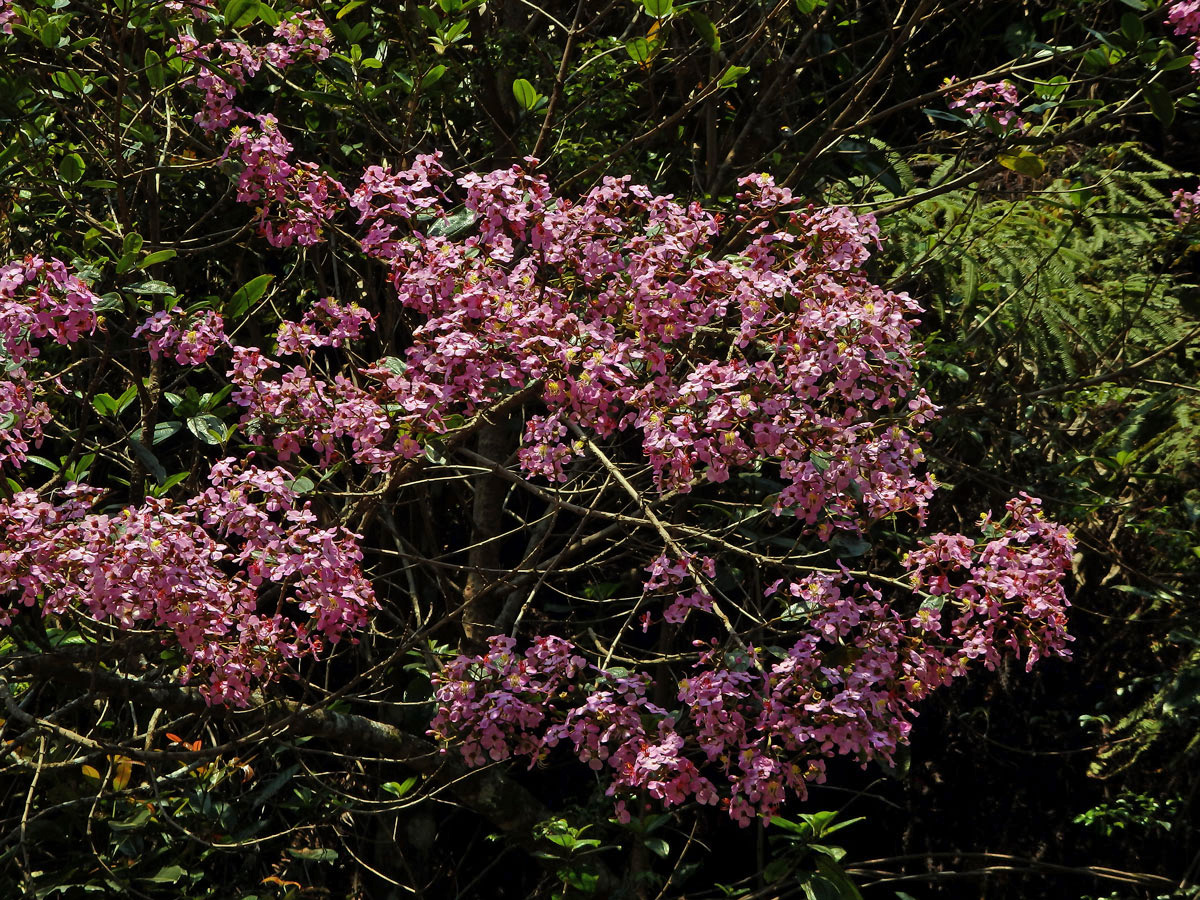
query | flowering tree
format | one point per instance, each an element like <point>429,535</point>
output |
<point>454,465</point>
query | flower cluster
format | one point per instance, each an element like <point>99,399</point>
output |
<point>754,729</point>
<point>41,298</point>
<point>227,66</point>
<point>301,409</point>
<point>327,324</point>
<point>22,416</point>
<point>191,339</point>
<point>200,9</point>
<point>602,300</point>
<point>488,698</point>
<point>1187,206</point>
<point>1184,17</point>
<point>203,571</point>
<point>997,100</point>
<point>384,194</point>
<point>8,15</point>
<point>615,313</point>
<point>669,575</point>
<point>294,199</point>
<point>1007,589</point>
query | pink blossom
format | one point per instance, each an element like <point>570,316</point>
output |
<point>195,571</point>
<point>326,324</point>
<point>41,298</point>
<point>8,15</point>
<point>998,100</point>
<point>191,339</point>
<point>1187,205</point>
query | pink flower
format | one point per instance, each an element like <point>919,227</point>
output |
<point>195,571</point>
<point>8,15</point>
<point>995,99</point>
<point>42,298</point>
<point>326,324</point>
<point>1187,204</point>
<point>192,339</point>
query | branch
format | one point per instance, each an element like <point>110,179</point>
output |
<point>997,862</point>
<point>489,792</point>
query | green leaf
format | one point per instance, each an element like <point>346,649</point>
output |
<point>429,17</point>
<point>777,869</point>
<point>639,49</point>
<point>584,882</point>
<point>132,243</point>
<point>208,428</point>
<point>402,788</point>
<point>349,8</point>
<point>126,398</point>
<point>162,489</point>
<point>818,887</point>
<point>167,875</point>
<point>828,825</point>
<point>164,430</point>
<point>148,460</point>
<point>240,13</point>
<point>525,94</point>
<point>50,34</point>
<point>154,69</point>
<point>1179,62</point>
<point>1096,59</point>
<point>1052,89</point>
<point>708,31</point>
<point>1024,162</point>
<point>658,847</point>
<point>68,81</point>
<point>453,225</point>
<point>433,76</point>
<point>834,853</point>
<point>317,854</point>
<point>1132,27</point>
<point>150,286</point>
<point>156,257</point>
<point>104,404</point>
<point>1161,104</point>
<point>1125,457</point>
<point>268,15</point>
<point>731,75</point>
<point>71,168</point>
<point>301,484</point>
<point>832,872</point>
<point>246,296</point>
<point>660,9</point>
